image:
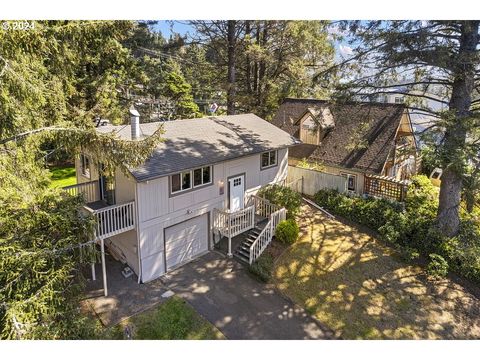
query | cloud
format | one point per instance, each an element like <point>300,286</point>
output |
<point>344,50</point>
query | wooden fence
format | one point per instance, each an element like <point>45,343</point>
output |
<point>386,187</point>
<point>308,182</point>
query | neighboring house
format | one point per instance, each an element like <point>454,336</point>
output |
<point>360,141</point>
<point>197,187</point>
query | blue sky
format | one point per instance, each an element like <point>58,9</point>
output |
<point>179,26</point>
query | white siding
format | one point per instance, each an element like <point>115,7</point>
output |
<point>78,172</point>
<point>157,209</point>
<point>124,188</point>
<point>127,242</point>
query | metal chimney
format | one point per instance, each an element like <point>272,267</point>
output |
<point>135,123</point>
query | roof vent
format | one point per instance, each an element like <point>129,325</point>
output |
<point>135,123</point>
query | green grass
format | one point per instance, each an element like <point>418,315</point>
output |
<point>62,176</point>
<point>172,320</point>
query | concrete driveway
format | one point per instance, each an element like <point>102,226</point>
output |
<point>240,307</point>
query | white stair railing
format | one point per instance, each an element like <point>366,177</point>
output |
<point>114,220</point>
<point>266,235</point>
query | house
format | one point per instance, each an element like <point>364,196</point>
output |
<point>372,145</point>
<point>194,192</point>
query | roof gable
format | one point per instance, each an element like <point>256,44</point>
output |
<point>362,138</point>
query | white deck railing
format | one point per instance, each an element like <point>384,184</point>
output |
<point>233,224</point>
<point>266,235</point>
<point>114,220</point>
<point>89,190</point>
<point>263,207</point>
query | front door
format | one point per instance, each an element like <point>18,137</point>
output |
<point>236,187</point>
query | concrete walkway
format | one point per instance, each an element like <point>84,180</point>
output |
<point>240,307</point>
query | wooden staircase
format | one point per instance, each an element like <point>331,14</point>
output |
<point>242,252</point>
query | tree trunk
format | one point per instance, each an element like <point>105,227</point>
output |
<point>262,67</point>
<point>448,219</point>
<point>231,68</point>
<point>255,67</point>
<point>248,30</point>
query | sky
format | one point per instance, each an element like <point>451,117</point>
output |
<point>342,50</point>
<point>165,27</point>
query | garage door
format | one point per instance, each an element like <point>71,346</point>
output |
<point>186,240</point>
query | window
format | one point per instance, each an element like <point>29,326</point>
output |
<point>269,159</point>
<point>85,165</point>
<point>398,100</point>
<point>351,181</point>
<point>183,181</point>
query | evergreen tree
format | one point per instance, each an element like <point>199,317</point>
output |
<point>424,60</point>
<point>55,79</point>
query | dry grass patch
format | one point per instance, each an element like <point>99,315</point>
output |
<point>353,284</point>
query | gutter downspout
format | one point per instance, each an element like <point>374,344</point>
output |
<point>137,229</point>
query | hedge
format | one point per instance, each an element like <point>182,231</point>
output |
<point>409,227</point>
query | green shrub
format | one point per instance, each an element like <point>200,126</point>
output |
<point>437,267</point>
<point>408,254</point>
<point>287,231</point>
<point>262,268</point>
<point>282,196</point>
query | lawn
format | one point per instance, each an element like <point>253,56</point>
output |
<point>171,320</point>
<point>360,289</point>
<point>62,176</point>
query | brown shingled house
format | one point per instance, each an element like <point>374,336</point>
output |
<point>359,140</point>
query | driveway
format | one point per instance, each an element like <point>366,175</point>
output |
<point>240,307</point>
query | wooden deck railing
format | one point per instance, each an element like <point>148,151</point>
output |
<point>266,235</point>
<point>89,190</point>
<point>233,224</point>
<point>114,220</point>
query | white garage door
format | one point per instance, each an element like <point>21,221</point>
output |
<point>186,240</point>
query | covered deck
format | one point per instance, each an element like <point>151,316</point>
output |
<point>111,220</point>
<point>126,296</point>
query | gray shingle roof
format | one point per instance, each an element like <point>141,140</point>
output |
<point>192,143</point>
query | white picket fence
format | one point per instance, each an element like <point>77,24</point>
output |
<point>308,182</point>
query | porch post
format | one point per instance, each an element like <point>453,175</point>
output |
<point>229,253</point>
<point>93,272</point>
<point>104,268</point>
